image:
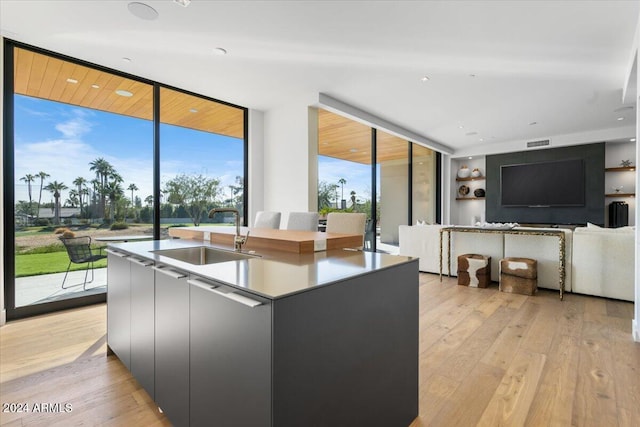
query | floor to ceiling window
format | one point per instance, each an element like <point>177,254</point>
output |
<point>362,169</point>
<point>344,166</point>
<point>82,167</point>
<point>83,161</point>
<point>201,158</point>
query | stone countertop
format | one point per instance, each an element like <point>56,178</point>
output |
<point>273,274</point>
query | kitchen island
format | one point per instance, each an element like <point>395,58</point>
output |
<point>271,339</point>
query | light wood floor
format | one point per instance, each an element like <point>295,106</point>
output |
<point>487,358</point>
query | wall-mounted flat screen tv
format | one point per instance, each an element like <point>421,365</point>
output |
<point>545,184</point>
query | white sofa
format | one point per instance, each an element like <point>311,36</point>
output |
<point>598,261</point>
<point>423,241</point>
<point>603,262</point>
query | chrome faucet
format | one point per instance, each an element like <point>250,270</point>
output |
<point>239,239</point>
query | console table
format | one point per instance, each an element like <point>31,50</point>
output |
<point>461,229</point>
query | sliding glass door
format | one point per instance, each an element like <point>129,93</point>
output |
<point>362,169</point>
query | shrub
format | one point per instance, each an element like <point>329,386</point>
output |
<point>43,222</point>
<point>65,232</point>
<point>119,226</point>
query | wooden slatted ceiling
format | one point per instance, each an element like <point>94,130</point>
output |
<point>41,76</point>
<point>345,139</point>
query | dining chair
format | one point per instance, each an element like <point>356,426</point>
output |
<point>80,252</point>
<point>265,219</point>
<point>346,223</point>
<point>305,221</point>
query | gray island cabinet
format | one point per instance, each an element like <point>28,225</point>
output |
<point>239,344</point>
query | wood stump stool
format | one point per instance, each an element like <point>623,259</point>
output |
<point>519,275</point>
<point>474,270</point>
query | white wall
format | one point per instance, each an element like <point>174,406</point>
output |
<point>288,177</point>
<point>256,163</point>
<point>394,176</point>
<point>601,135</point>
<point>614,154</point>
<point>3,311</point>
<point>636,320</point>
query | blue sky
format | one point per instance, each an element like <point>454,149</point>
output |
<point>357,175</point>
<point>62,140</point>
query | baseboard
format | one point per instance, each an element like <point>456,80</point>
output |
<point>636,330</point>
<point>3,317</point>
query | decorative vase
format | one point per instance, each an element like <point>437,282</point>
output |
<point>464,172</point>
<point>463,190</point>
<point>476,173</point>
<point>479,192</point>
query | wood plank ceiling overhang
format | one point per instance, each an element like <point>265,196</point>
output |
<point>41,76</point>
<point>346,139</point>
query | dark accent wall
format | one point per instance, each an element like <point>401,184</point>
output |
<point>592,211</point>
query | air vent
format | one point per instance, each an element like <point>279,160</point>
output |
<point>540,143</point>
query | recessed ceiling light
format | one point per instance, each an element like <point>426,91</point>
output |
<point>142,11</point>
<point>533,123</point>
<point>470,158</point>
<point>481,139</point>
<point>620,118</point>
<point>70,80</point>
<point>220,51</point>
<point>193,110</point>
<point>95,86</point>
<point>460,127</point>
<point>125,59</point>
<point>183,3</point>
<point>425,79</point>
<point>632,139</point>
<point>125,93</point>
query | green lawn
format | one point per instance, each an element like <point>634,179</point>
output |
<point>53,262</point>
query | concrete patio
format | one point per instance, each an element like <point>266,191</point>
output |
<point>47,287</point>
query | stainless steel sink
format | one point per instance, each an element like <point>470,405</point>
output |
<point>201,255</point>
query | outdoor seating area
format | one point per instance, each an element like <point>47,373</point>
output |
<point>47,287</point>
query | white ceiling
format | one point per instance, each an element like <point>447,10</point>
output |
<point>562,64</point>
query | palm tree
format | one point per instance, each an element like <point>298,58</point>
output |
<point>80,183</point>
<point>42,176</point>
<point>113,190</point>
<point>103,170</point>
<point>148,200</point>
<point>74,199</point>
<point>132,187</point>
<point>353,199</point>
<point>55,188</point>
<point>28,178</point>
<point>342,182</point>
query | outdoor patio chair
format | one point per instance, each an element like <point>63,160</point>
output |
<point>79,251</point>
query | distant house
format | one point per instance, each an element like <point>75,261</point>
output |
<point>49,213</point>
